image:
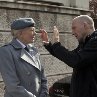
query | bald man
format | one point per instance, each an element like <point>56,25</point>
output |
<point>83,59</point>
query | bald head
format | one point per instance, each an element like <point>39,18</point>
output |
<point>82,26</point>
<point>85,19</point>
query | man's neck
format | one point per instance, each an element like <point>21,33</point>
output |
<point>89,32</point>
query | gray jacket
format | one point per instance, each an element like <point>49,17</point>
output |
<point>22,74</point>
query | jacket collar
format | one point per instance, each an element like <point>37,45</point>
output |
<point>94,34</point>
<point>25,55</point>
<point>16,44</point>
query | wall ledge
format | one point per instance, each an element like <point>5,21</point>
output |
<point>42,7</point>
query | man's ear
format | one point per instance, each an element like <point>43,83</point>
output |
<point>19,34</point>
<point>86,25</point>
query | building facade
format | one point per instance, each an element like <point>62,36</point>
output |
<point>46,13</point>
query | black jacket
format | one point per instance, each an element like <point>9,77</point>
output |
<point>83,60</point>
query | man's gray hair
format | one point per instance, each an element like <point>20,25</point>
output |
<point>14,33</point>
<point>85,18</point>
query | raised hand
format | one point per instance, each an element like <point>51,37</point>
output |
<point>44,36</point>
<point>55,35</point>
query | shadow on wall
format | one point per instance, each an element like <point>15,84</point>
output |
<point>60,88</point>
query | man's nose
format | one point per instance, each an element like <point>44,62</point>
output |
<point>73,33</point>
<point>35,33</point>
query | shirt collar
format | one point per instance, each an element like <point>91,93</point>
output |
<point>21,43</point>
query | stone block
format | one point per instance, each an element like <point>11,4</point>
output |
<point>3,19</point>
<point>5,37</point>
<point>53,66</point>
<point>83,4</point>
<point>64,23</point>
<point>69,41</point>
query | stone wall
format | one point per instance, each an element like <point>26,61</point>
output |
<point>45,16</point>
<point>83,4</point>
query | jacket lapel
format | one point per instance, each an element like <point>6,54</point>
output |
<point>28,58</point>
<point>25,55</point>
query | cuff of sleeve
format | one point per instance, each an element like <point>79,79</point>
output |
<point>46,43</point>
<point>56,44</point>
